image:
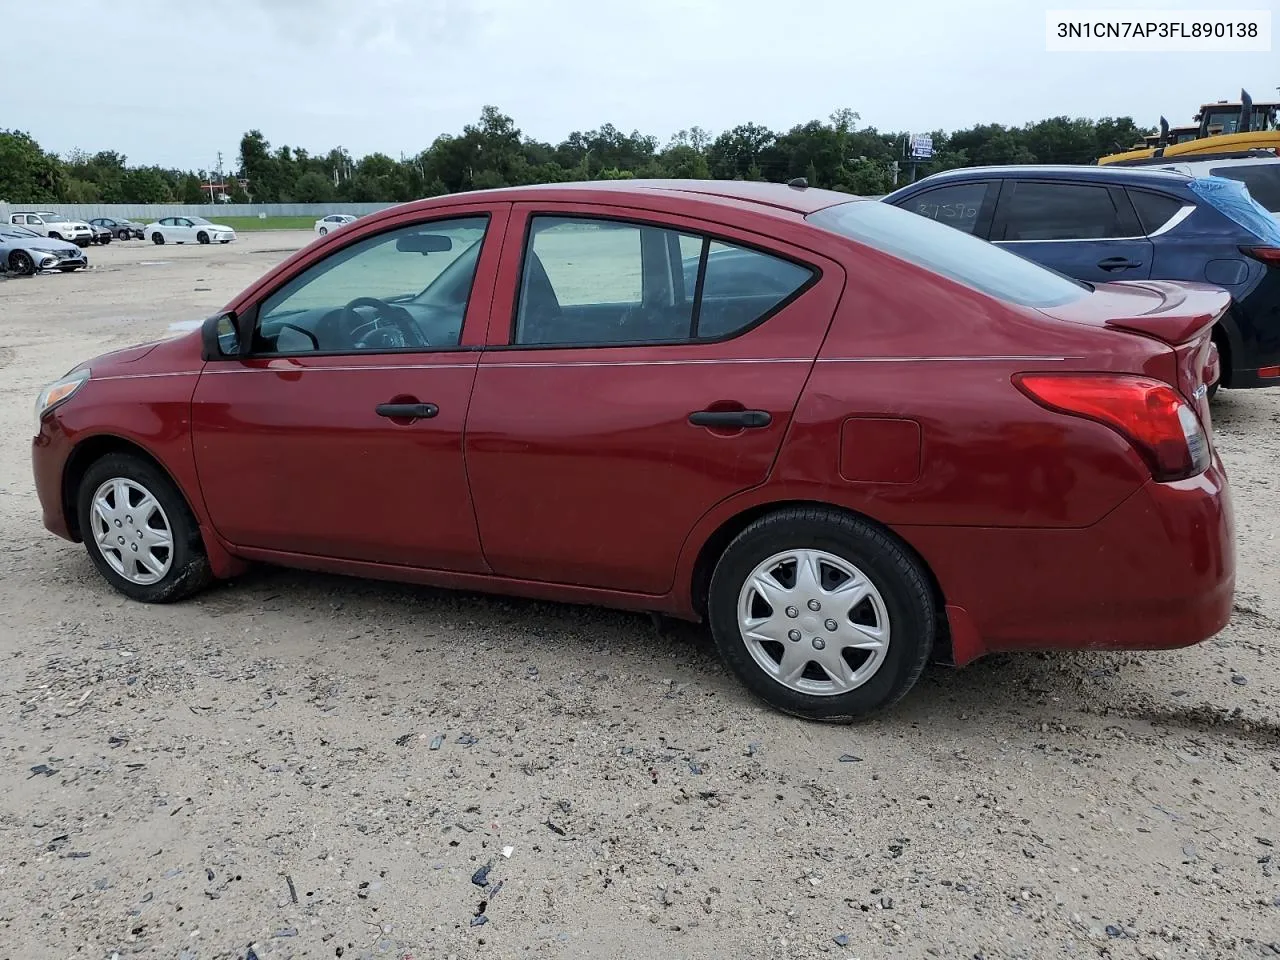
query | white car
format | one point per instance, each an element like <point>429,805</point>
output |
<point>333,222</point>
<point>55,226</point>
<point>188,230</point>
<point>1260,175</point>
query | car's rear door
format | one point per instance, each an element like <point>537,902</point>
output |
<point>613,408</point>
<point>1086,230</point>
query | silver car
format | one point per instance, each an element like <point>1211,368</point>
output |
<point>24,252</point>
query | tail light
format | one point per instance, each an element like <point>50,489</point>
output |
<point>1151,415</point>
<point>1268,255</point>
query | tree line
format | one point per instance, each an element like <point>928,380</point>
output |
<point>835,153</point>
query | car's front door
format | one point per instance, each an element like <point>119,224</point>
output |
<point>339,433</point>
<point>615,406</point>
<point>1086,230</point>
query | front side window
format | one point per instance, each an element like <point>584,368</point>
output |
<point>1059,211</point>
<point>406,289</point>
<point>603,282</point>
<point>957,205</point>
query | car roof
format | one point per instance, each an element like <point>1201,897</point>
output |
<point>742,194</point>
<point>1224,162</point>
<point>1132,176</point>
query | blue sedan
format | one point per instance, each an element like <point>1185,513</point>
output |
<point>1102,224</point>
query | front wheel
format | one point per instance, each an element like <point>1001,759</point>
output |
<point>821,614</point>
<point>157,238</point>
<point>202,237</point>
<point>124,235</point>
<point>139,531</point>
<point>21,263</point>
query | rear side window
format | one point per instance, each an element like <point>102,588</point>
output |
<point>605,282</point>
<point>1154,209</point>
<point>950,253</point>
<point>1058,211</point>
<point>957,205</point>
<point>1261,179</point>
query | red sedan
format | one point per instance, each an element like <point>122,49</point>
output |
<point>848,437</point>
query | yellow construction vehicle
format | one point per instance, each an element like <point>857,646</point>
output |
<point>1222,129</point>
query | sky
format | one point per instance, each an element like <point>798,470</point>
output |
<point>172,82</point>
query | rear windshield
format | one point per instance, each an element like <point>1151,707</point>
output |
<point>949,252</point>
<point>1262,179</point>
<point>1231,199</point>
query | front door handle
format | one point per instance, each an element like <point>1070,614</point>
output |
<point>407,411</point>
<point>1118,263</point>
<point>731,418</point>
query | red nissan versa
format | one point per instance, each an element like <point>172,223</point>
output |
<point>848,436</point>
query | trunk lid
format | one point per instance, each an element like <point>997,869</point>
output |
<point>1179,315</point>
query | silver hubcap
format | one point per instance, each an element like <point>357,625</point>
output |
<point>131,531</point>
<point>814,622</point>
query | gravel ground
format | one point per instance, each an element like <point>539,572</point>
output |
<point>295,765</point>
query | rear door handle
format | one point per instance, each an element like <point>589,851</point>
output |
<point>407,411</point>
<point>731,418</point>
<point>1118,263</point>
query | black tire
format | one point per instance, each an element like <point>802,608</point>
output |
<point>1213,390</point>
<point>158,238</point>
<point>105,240</point>
<point>124,235</point>
<point>20,262</point>
<point>897,575</point>
<point>188,569</point>
<point>323,231</point>
<point>202,237</point>
<point>54,235</point>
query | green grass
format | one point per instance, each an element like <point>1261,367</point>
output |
<point>244,224</point>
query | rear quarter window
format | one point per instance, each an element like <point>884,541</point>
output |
<point>1234,202</point>
<point>1261,179</point>
<point>951,253</point>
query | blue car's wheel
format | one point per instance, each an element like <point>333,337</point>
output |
<point>20,262</point>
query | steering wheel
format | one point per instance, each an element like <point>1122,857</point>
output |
<point>391,326</point>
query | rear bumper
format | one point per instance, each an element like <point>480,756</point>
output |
<point>1252,380</point>
<point>1158,572</point>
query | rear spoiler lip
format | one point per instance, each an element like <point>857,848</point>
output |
<point>1174,330</point>
<point>1195,310</point>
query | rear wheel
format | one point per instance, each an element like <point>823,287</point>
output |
<point>157,238</point>
<point>202,237</point>
<point>323,231</point>
<point>20,262</point>
<point>822,614</point>
<point>139,531</point>
<point>124,235</point>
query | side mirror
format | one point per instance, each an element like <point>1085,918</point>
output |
<point>424,243</point>
<point>219,337</point>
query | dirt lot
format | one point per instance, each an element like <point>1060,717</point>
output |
<point>258,765</point>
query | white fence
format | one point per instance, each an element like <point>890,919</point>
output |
<point>147,212</point>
